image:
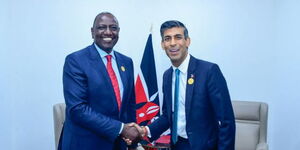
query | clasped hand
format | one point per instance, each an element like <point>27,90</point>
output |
<point>132,133</point>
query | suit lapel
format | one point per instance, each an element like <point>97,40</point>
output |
<point>123,74</point>
<point>190,86</point>
<point>168,92</point>
<point>101,71</point>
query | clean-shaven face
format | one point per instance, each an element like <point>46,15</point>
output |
<point>175,45</point>
<point>105,32</point>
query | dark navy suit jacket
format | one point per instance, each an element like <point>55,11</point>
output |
<point>210,120</point>
<point>93,120</point>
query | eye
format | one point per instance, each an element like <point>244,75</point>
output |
<point>114,28</point>
<point>101,27</point>
<point>166,39</point>
<point>178,37</point>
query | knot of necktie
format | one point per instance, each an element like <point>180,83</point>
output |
<point>108,57</point>
<point>177,72</point>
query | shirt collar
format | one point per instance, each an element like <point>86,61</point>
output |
<point>103,54</point>
<point>184,65</point>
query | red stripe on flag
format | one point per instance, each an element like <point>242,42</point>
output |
<point>140,91</point>
<point>147,112</point>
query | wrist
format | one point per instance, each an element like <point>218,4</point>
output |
<point>145,131</point>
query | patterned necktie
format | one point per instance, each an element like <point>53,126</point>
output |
<point>175,113</point>
<point>113,79</point>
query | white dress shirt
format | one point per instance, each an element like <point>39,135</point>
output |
<point>181,121</point>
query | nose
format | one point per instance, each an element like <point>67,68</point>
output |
<point>107,31</point>
<point>173,42</point>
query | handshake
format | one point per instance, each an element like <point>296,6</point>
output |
<point>132,133</point>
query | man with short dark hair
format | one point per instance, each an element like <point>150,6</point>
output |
<point>99,93</point>
<point>196,102</point>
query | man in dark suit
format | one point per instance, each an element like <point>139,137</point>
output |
<point>196,102</point>
<point>99,93</point>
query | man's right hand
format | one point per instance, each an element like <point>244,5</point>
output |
<point>132,133</point>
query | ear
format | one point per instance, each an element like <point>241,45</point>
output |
<point>92,32</point>
<point>188,42</point>
<point>162,45</point>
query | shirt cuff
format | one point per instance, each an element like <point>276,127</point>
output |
<point>148,130</point>
<point>122,126</point>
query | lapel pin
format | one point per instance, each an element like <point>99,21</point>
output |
<point>191,79</point>
<point>123,68</point>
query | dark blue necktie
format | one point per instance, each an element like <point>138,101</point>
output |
<point>175,113</point>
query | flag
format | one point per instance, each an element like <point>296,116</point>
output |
<point>146,89</point>
<point>147,98</point>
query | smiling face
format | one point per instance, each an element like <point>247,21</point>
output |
<point>175,45</point>
<point>105,31</point>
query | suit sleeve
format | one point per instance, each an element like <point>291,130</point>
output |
<point>221,103</point>
<point>78,109</point>
<point>132,105</point>
<point>162,123</point>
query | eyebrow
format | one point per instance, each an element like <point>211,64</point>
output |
<point>107,24</point>
<point>173,35</point>
<point>178,35</point>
